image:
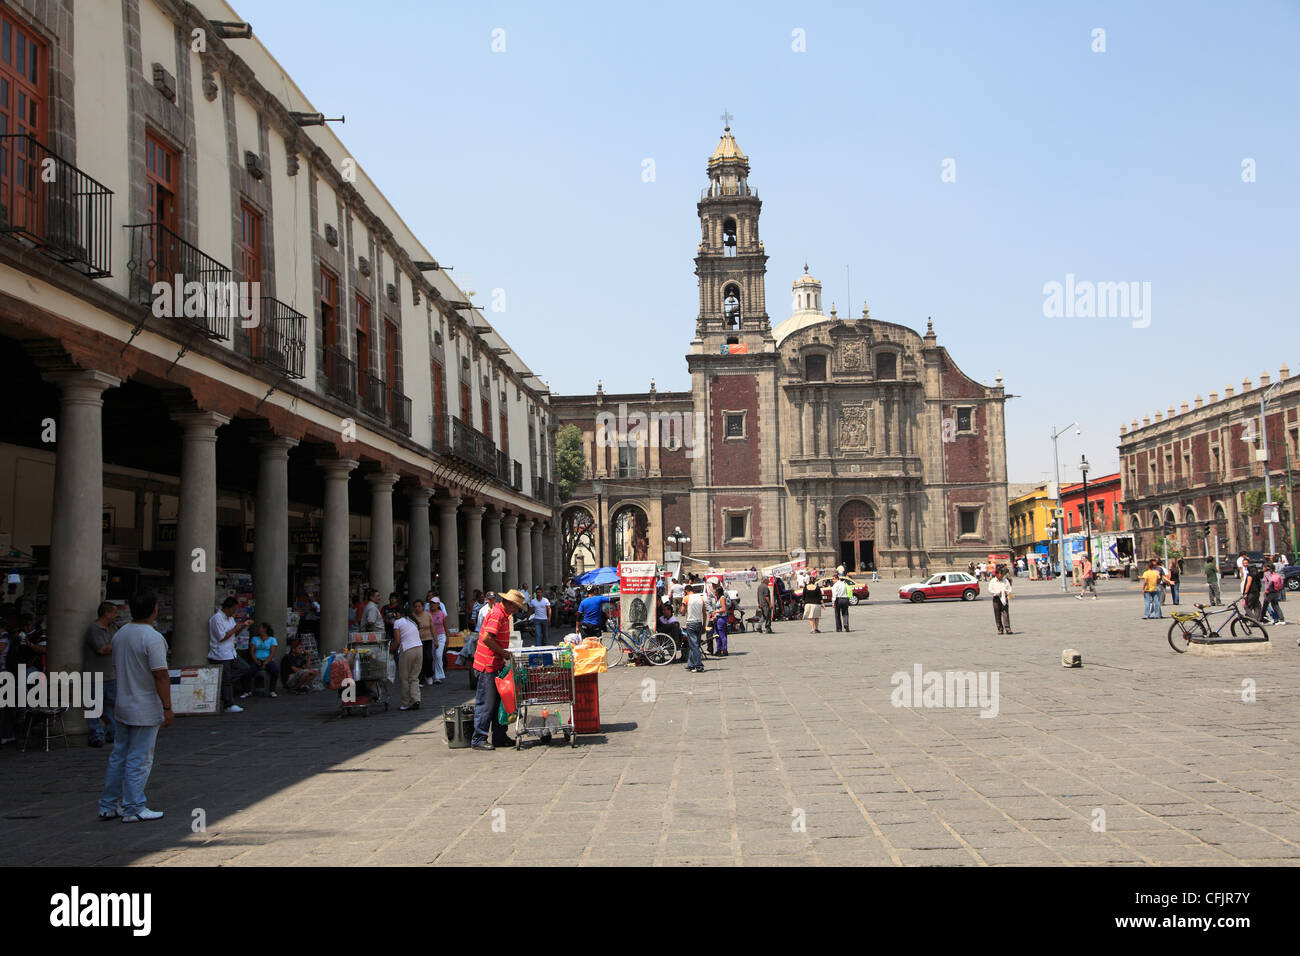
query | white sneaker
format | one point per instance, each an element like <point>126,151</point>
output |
<point>245,696</point>
<point>274,694</point>
<point>145,814</point>
<point>234,709</point>
<point>428,682</point>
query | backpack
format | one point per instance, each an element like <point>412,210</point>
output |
<point>1274,582</point>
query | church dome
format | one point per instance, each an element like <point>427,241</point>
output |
<point>806,308</point>
<point>728,149</point>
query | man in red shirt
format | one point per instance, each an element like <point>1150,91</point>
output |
<point>490,656</point>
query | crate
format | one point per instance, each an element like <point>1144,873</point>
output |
<point>586,704</point>
<point>449,662</point>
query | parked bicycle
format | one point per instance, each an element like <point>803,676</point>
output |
<point>1195,625</point>
<point>642,643</point>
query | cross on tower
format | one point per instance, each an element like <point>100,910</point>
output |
<point>726,119</point>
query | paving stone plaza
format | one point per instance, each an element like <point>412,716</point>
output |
<point>789,751</point>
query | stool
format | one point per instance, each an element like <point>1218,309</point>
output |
<point>50,718</point>
<point>262,685</point>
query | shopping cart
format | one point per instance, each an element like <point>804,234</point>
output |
<point>369,660</point>
<point>544,679</point>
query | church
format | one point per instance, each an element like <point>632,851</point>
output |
<point>858,441</point>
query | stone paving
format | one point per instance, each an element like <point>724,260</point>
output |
<point>788,752</point>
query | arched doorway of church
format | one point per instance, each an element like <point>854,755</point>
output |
<point>578,526</point>
<point>630,530</point>
<point>856,530</point>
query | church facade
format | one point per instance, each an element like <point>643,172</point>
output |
<point>858,441</point>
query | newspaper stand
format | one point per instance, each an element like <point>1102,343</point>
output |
<point>367,653</point>
<point>544,678</point>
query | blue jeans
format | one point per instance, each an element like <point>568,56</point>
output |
<point>128,769</point>
<point>1173,589</point>
<point>539,632</point>
<point>1152,605</point>
<point>693,633</point>
<point>485,707</point>
<point>104,725</point>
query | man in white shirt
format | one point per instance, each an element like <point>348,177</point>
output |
<point>489,600</point>
<point>693,627</point>
<point>678,592</point>
<point>222,630</point>
<point>840,599</point>
<point>408,650</point>
<point>1000,591</point>
<point>372,619</point>
<point>541,616</point>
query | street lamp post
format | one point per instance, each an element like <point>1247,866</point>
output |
<point>599,488</point>
<point>1264,399</point>
<point>1060,524</point>
<point>1087,509</point>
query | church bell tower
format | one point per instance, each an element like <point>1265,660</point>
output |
<point>730,261</point>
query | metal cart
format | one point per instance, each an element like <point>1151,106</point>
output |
<point>369,660</point>
<point>544,678</point>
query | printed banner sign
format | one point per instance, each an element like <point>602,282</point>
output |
<point>637,577</point>
<point>195,689</point>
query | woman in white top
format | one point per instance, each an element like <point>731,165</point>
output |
<point>410,656</point>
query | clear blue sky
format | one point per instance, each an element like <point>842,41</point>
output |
<point>523,170</point>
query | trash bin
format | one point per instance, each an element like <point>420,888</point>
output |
<point>459,725</point>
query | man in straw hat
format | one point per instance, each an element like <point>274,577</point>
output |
<point>490,656</point>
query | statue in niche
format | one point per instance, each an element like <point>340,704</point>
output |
<point>821,527</point>
<point>893,527</point>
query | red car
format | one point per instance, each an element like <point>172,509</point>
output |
<point>949,584</point>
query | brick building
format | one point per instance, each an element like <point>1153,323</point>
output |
<point>1203,462</point>
<point>857,440</point>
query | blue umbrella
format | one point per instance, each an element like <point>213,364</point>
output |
<point>598,577</point>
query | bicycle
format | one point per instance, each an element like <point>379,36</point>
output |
<point>657,649</point>
<point>1195,625</point>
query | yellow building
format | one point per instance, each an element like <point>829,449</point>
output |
<point>1031,519</point>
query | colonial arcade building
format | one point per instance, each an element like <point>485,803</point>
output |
<point>367,424</point>
<point>857,440</point>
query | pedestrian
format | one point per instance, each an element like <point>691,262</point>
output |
<point>409,652</point>
<point>1151,579</point>
<point>840,598</point>
<point>477,605</point>
<point>391,612</point>
<point>1175,577</point>
<point>541,616</point>
<point>263,648</point>
<point>438,615</point>
<point>1252,587</point>
<point>812,606</point>
<point>591,614</point>
<point>424,621</point>
<point>1273,585</point>
<point>489,601</point>
<point>1089,573</point>
<point>222,631</point>
<point>489,657</point>
<point>715,603</point>
<point>1000,589</point>
<point>98,655</point>
<point>372,619</point>
<point>693,607</point>
<point>144,703</point>
<point>765,605</point>
<point>295,668</point>
<point>1242,564</point>
<point>1212,579</point>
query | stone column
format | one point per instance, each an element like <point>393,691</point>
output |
<point>473,550</point>
<point>806,426</point>
<point>271,534</point>
<point>539,560</point>
<point>448,572</point>
<point>525,553</point>
<point>196,537</point>
<point>419,577</point>
<point>381,532</point>
<point>656,439</point>
<point>334,572</point>
<point>588,455</point>
<point>510,540</point>
<point>76,525</point>
<point>493,536</point>
<point>554,574</point>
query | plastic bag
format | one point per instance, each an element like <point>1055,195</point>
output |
<point>506,689</point>
<point>392,670</point>
<point>589,658</point>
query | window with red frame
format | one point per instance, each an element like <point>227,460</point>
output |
<point>329,307</point>
<point>23,82</point>
<point>363,338</point>
<point>250,268</point>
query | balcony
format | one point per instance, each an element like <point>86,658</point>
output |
<point>55,206</point>
<point>627,471</point>
<point>518,482</point>
<point>199,293</point>
<point>401,406</point>
<point>471,446</point>
<point>374,395</point>
<point>503,467</point>
<point>543,491</point>
<point>279,340</point>
<point>341,376</point>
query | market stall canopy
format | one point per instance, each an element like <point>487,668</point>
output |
<point>598,577</point>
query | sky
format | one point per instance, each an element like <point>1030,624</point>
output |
<point>953,159</point>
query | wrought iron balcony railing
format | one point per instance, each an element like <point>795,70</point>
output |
<point>471,446</point>
<point>280,338</point>
<point>518,482</point>
<point>201,292</point>
<point>503,467</point>
<point>401,406</point>
<point>374,395</point>
<point>55,206</point>
<point>341,376</point>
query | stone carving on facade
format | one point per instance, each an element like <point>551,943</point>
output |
<point>854,425</point>
<point>893,527</point>
<point>853,356</point>
<point>821,527</point>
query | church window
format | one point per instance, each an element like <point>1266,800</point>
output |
<point>736,526</point>
<point>815,368</point>
<point>886,365</point>
<point>965,418</point>
<point>968,519</point>
<point>733,424</point>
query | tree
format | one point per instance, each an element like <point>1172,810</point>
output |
<point>570,462</point>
